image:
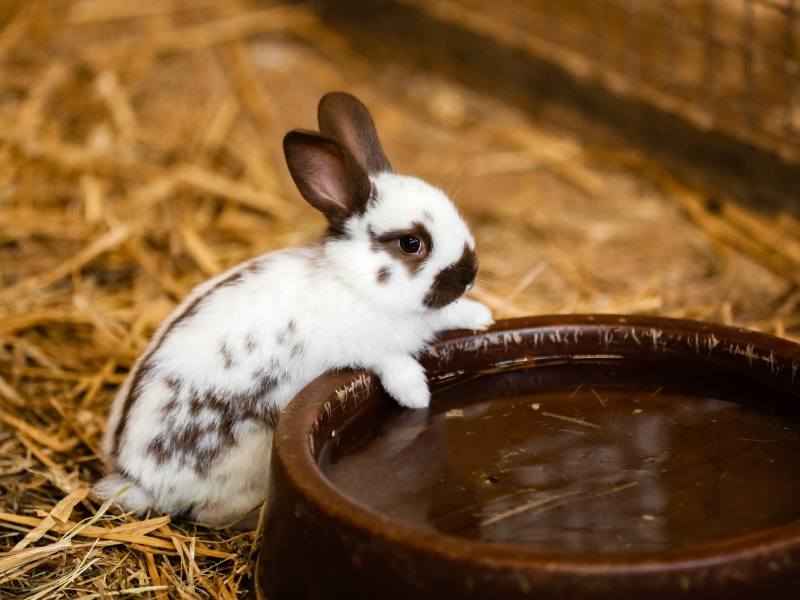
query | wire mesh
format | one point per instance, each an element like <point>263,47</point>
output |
<point>726,65</point>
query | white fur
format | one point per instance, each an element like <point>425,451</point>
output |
<point>342,318</point>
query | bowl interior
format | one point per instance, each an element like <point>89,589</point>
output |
<point>577,434</point>
<point>579,456</point>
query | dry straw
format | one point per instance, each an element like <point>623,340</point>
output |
<point>140,154</point>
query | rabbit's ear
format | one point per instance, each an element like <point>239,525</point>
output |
<point>327,177</point>
<point>345,119</point>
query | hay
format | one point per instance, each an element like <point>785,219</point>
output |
<point>140,154</point>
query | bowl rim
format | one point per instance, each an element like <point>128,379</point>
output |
<point>759,351</point>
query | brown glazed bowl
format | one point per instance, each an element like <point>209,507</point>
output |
<point>320,542</point>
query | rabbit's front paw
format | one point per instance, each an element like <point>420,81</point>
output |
<point>404,379</point>
<point>414,395</point>
<point>468,314</point>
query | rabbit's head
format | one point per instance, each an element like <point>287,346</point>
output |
<point>395,239</point>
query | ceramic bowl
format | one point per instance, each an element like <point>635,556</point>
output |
<point>590,456</point>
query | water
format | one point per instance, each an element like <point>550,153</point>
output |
<point>578,463</point>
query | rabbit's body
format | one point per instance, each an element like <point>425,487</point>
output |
<point>192,426</point>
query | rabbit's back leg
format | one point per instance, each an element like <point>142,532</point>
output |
<point>241,480</point>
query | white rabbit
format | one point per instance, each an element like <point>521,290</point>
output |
<point>192,426</point>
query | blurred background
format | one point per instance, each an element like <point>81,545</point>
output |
<point>610,156</point>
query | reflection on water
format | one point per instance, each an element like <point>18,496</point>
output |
<point>597,469</point>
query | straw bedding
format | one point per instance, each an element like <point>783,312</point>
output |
<point>140,154</point>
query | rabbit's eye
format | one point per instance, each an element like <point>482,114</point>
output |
<point>410,244</point>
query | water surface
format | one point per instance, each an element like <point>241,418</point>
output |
<point>573,466</point>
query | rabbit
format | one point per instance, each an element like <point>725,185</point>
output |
<point>191,428</point>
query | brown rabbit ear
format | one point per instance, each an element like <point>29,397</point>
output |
<point>327,177</point>
<point>344,118</point>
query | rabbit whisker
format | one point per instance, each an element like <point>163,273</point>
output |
<point>462,187</point>
<point>464,164</point>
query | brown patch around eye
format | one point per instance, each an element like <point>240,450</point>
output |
<point>389,242</point>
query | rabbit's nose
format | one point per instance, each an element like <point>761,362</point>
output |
<point>452,281</point>
<point>468,279</point>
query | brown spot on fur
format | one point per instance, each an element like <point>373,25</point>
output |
<point>383,275</point>
<point>332,233</point>
<point>273,414</point>
<point>285,334</point>
<point>255,266</point>
<point>210,428</point>
<point>427,215</point>
<point>190,312</point>
<point>159,449</point>
<point>232,280</point>
<point>297,350</point>
<point>374,242</point>
<point>195,404</point>
<point>143,368</point>
<point>227,356</point>
<point>171,404</point>
<point>451,282</point>
<point>250,343</point>
<point>267,379</point>
<point>164,446</point>
<point>389,242</point>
